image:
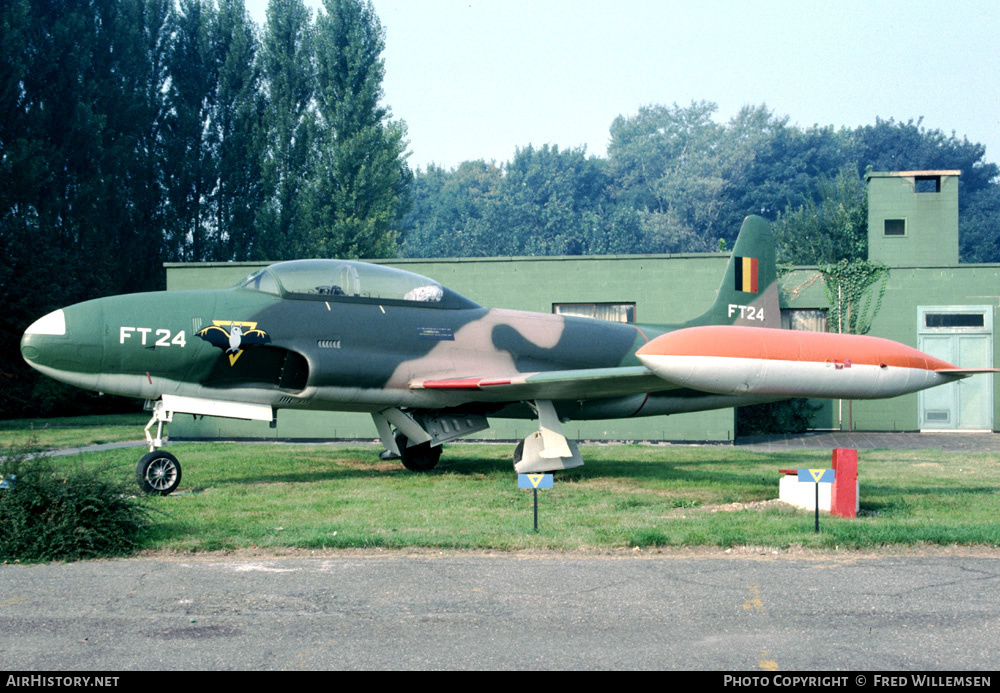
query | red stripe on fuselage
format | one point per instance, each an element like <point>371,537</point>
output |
<point>462,384</point>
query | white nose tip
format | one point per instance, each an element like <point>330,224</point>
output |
<point>54,323</point>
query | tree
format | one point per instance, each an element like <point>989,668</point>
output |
<point>191,145</point>
<point>138,108</point>
<point>288,76</point>
<point>449,211</point>
<point>665,165</point>
<point>545,201</point>
<point>979,225</point>
<point>238,121</point>
<point>358,173</point>
<point>548,202</point>
<point>693,181</point>
<point>82,87</point>
<point>829,230</point>
<point>774,167</point>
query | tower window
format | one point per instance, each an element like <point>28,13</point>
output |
<point>894,227</point>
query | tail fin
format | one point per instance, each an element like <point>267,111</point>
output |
<point>749,291</point>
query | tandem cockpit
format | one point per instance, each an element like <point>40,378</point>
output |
<point>348,280</point>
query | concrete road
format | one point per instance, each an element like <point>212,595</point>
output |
<point>682,610</point>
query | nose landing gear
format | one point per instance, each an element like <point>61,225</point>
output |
<point>158,472</point>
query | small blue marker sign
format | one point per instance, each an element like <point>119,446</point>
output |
<point>534,482</point>
<point>817,476</point>
<point>7,481</point>
<point>530,481</point>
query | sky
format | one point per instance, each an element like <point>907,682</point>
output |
<point>477,79</point>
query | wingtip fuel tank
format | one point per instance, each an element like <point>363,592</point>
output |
<point>740,360</point>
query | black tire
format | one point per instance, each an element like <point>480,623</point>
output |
<point>158,473</point>
<point>418,458</point>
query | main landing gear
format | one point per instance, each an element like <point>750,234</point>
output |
<point>421,457</point>
<point>418,435</point>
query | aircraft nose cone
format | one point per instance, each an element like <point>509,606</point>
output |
<point>41,335</point>
<point>66,344</point>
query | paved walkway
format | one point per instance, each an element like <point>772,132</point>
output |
<point>63,452</point>
<point>873,440</point>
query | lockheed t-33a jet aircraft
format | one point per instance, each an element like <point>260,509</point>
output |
<point>430,365</point>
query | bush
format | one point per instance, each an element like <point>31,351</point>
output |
<point>786,416</point>
<point>66,512</point>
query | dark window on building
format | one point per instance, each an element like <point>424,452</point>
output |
<point>894,227</point>
<point>954,320</point>
<point>807,320</point>
<point>927,184</point>
<point>615,312</point>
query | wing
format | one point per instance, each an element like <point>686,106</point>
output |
<point>584,383</point>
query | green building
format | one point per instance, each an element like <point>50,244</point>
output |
<point>931,302</point>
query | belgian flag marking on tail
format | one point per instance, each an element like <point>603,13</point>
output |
<point>746,274</point>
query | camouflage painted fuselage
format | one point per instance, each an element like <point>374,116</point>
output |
<point>336,353</point>
<point>340,335</point>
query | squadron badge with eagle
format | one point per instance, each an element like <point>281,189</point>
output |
<point>233,341</point>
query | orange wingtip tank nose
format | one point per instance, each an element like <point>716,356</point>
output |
<point>729,359</point>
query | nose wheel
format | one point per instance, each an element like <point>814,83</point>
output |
<point>158,473</point>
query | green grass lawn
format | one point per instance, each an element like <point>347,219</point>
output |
<point>237,496</point>
<point>72,431</point>
<point>255,495</point>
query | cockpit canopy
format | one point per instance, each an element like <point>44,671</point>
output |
<point>348,280</point>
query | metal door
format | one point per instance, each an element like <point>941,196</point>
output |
<point>962,335</point>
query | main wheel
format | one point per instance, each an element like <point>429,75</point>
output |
<point>158,473</point>
<point>417,458</point>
